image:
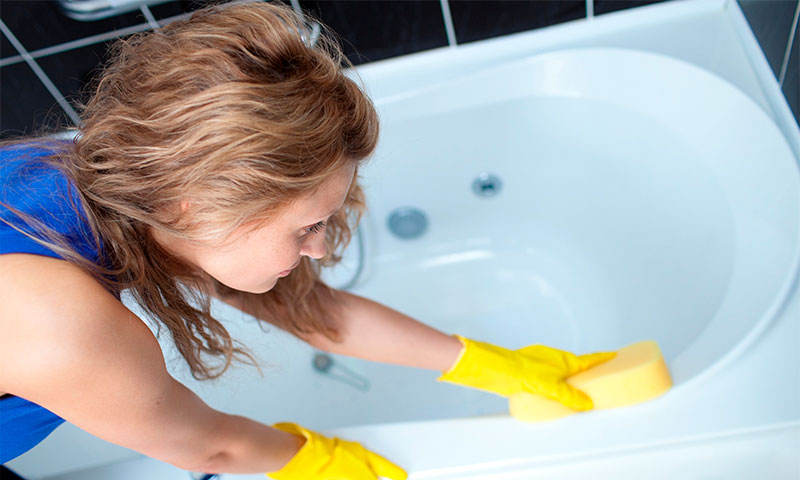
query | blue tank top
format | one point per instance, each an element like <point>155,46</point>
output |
<point>42,191</point>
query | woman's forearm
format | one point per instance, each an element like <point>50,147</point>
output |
<point>373,331</point>
<point>246,446</point>
<point>376,332</point>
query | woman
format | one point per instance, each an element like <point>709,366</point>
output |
<point>217,157</point>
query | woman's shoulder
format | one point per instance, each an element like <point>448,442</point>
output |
<point>52,311</point>
<point>46,299</point>
<point>68,345</point>
<point>40,285</point>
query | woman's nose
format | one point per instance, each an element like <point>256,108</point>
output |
<point>314,246</point>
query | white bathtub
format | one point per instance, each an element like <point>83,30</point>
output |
<point>642,197</point>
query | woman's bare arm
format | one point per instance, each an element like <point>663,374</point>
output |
<point>71,347</point>
<point>373,331</point>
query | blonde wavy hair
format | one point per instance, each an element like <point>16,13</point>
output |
<point>230,108</point>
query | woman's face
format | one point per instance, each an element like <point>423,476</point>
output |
<point>253,261</point>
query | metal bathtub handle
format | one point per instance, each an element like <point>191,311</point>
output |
<point>326,365</point>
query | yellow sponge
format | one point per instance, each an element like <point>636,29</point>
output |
<point>638,373</point>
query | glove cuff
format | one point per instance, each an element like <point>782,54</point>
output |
<point>457,362</point>
<point>311,457</point>
<point>483,366</point>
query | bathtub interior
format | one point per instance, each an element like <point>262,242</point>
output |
<point>643,198</point>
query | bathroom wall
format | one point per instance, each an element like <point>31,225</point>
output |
<point>774,23</point>
<point>41,92</point>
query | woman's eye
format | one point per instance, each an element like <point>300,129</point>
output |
<point>316,228</point>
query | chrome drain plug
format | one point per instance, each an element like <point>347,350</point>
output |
<point>408,223</point>
<point>487,185</point>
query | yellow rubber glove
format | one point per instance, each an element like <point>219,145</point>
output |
<point>323,458</point>
<point>534,369</point>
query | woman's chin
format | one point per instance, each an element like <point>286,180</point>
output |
<point>255,289</point>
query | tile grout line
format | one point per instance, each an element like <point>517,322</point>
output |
<point>83,42</point>
<point>448,23</point>
<point>785,64</point>
<point>75,44</point>
<point>148,15</point>
<point>168,20</point>
<point>40,73</point>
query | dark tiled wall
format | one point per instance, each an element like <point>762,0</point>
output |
<point>375,30</point>
<point>68,52</point>
<point>479,20</point>
<point>774,23</point>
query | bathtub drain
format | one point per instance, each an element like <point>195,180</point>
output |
<point>408,222</point>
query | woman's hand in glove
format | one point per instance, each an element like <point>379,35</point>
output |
<point>535,369</point>
<point>322,458</point>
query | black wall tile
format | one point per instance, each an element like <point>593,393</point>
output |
<point>481,19</point>
<point>608,6</point>
<point>771,22</point>
<point>791,82</point>
<point>6,49</point>
<point>40,24</point>
<point>374,30</point>
<point>72,71</point>
<point>175,7</point>
<point>27,106</point>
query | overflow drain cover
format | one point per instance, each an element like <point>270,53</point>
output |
<point>487,185</point>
